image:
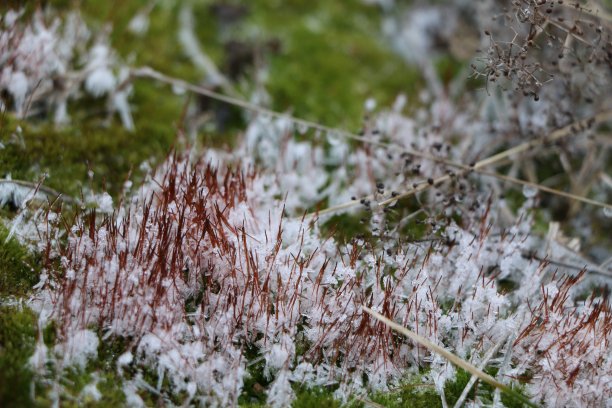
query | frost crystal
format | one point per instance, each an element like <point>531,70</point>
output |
<point>40,69</point>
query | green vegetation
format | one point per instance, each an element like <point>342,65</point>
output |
<point>318,397</point>
<point>17,340</point>
<point>346,227</point>
<point>18,267</point>
<point>253,393</point>
<point>331,60</point>
<point>412,395</point>
<point>415,394</point>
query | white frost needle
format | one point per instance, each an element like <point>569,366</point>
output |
<point>449,356</point>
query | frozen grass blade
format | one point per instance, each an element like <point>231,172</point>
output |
<point>450,356</point>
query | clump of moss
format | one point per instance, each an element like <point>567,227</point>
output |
<point>331,60</point>
<point>414,394</point>
<point>346,227</point>
<point>484,391</point>
<point>315,397</point>
<point>17,341</point>
<point>66,155</point>
<point>410,395</point>
<point>255,383</point>
<point>19,269</point>
<point>73,380</point>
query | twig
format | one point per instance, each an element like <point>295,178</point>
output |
<point>473,379</point>
<point>449,356</point>
<point>554,136</point>
<point>504,365</point>
<point>47,191</point>
<point>147,72</point>
<point>595,10</point>
<point>594,270</point>
<point>443,398</point>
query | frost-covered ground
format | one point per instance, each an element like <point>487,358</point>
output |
<point>472,211</point>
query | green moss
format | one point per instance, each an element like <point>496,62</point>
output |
<point>50,334</point>
<point>507,285</point>
<point>331,61</point>
<point>484,391</point>
<point>453,389</point>
<point>541,221</point>
<point>66,155</point>
<point>448,68</point>
<point>100,371</point>
<point>414,394</point>
<point>315,397</point>
<point>410,395</point>
<point>305,398</point>
<point>18,267</point>
<point>26,5</point>
<point>346,227</point>
<point>74,381</point>
<point>417,228</point>
<point>17,341</point>
<point>255,383</point>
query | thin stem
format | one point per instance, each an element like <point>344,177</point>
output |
<point>49,192</point>
<point>449,356</point>
<point>474,378</point>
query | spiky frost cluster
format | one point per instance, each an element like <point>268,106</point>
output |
<point>204,261</point>
<point>569,347</point>
<point>48,61</point>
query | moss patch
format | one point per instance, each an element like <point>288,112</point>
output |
<point>19,269</point>
<point>332,59</point>
<point>410,396</point>
<point>17,341</point>
<point>315,397</point>
<point>346,227</point>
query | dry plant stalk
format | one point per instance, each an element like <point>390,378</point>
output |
<point>450,357</point>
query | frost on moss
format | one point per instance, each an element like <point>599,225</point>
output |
<point>43,66</point>
<point>207,285</point>
<point>206,226</point>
